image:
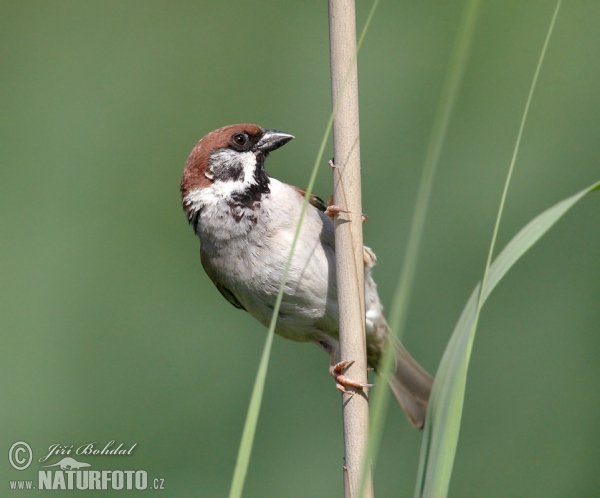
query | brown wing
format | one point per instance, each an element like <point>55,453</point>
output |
<point>225,292</point>
<point>314,200</point>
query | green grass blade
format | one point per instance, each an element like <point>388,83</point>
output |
<point>398,310</point>
<point>445,408</point>
<point>247,440</point>
<point>443,418</point>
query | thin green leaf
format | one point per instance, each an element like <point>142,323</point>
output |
<point>445,409</point>
<point>247,441</point>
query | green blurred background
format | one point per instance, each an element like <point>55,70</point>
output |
<point>111,330</point>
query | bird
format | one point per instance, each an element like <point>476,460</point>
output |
<point>246,222</point>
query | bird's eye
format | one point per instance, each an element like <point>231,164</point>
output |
<point>240,139</point>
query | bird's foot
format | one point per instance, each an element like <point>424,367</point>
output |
<point>341,380</point>
<point>332,210</point>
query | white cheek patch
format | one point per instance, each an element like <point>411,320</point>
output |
<point>224,189</point>
<point>227,158</point>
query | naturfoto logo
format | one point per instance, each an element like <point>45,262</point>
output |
<point>69,463</point>
<point>69,473</point>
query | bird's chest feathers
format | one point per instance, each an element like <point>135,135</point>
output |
<point>250,242</point>
<point>248,258</point>
<point>234,232</point>
<point>225,223</point>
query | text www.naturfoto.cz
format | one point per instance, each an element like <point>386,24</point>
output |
<point>89,479</point>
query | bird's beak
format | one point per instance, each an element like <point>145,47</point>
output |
<point>272,140</point>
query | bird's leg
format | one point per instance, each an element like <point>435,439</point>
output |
<point>341,381</point>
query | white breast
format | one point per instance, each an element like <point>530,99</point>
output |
<point>248,257</point>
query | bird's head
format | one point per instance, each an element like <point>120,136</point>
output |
<point>231,159</point>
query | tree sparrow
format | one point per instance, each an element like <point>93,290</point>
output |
<point>246,221</point>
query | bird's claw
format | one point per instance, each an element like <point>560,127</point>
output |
<point>342,381</point>
<point>332,210</point>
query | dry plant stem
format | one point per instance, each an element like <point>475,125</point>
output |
<point>348,239</point>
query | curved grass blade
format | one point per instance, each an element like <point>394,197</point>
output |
<point>441,435</point>
<point>401,298</point>
<point>442,425</point>
<point>247,441</point>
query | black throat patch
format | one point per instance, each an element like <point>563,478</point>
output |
<point>251,196</point>
<point>244,204</point>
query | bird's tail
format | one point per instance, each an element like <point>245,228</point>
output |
<point>409,382</point>
<point>411,386</point>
